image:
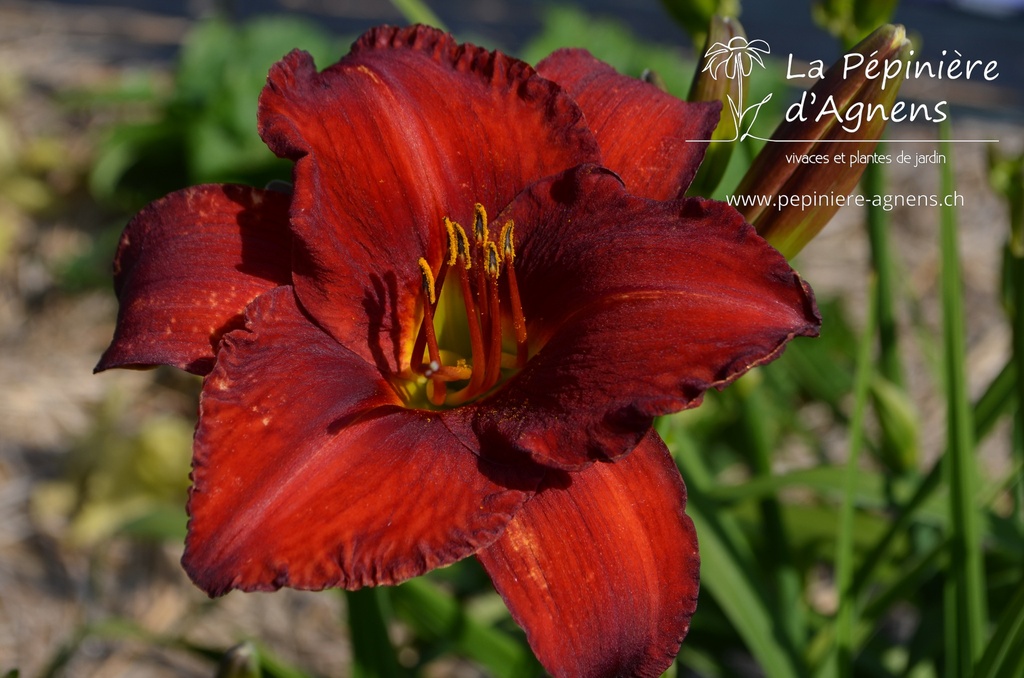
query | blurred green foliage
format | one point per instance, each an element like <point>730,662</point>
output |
<point>695,15</point>
<point>198,128</point>
<point>115,482</point>
<point>204,130</point>
<point>614,43</point>
<point>851,20</point>
<point>26,166</point>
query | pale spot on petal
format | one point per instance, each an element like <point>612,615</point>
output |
<point>366,71</point>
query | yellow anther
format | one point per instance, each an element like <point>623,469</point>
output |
<point>462,245</point>
<point>445,371</point>
<point>453,247</point>
<point>507,239</point>
<point>480,223</point>
<point>428,280</point>
<point>493,260</point>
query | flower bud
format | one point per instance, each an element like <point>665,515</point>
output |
<point>716,81</point>
<point>241,661</point>
<point>900,426</point>
<point>834,124</point>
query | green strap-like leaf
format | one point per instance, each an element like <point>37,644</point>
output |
<point>740,599</point>
<point>1004,655</point>
<point>846,617</point>
<point>434,615</point>
<point>373,655</point>
<point>965,593</point>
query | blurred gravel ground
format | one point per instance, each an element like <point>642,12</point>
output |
<point>49,398</point>
<point>49,342</point>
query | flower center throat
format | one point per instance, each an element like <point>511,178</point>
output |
<point>471,335</point>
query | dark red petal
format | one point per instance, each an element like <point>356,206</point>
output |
<point>187,266</point>
<point>637,307</point>
<point>602,571</point>
<point>308,474</point>
<point>407,129</point>
<point>643,132</point>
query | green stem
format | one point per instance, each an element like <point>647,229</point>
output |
<point>996,401</point>
<point>373,656</point>
<point>987,411</point>
<point>965,594</point>
<point>1015,260</point>
<point>730,572</point>
<point>889,363</point>
<point>786,596</point>
<point>437,616</point>
<point>846,615</point>
<point>1005,653</point>
<point>1007,176</point>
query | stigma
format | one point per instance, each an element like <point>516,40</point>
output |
<point>471,331</point>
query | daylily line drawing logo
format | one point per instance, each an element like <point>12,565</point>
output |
<point>736,60</point>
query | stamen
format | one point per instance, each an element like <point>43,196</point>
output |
<point>437,390</point>
<point>480,223</point>
<point>518,320</point>
<point>453,247</point>
<point>486,274</point>
<point>476,340</point>
<point>421,339</point>
<point>507,237</point>
<point>482,298</point>
<point>428,280</point>
<point>493,260</point>
<point>461,244</point>
<point>493,371</point>
<point>481,238</point>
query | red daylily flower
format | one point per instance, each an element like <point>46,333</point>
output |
<point>393,382</point>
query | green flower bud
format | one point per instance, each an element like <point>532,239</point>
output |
<point>240,661</point>
<point>899,423</point>
<point>716,81</point>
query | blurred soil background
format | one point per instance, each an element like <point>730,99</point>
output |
<point>93,469</point>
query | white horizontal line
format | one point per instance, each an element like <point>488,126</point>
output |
<point>853,141</point>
